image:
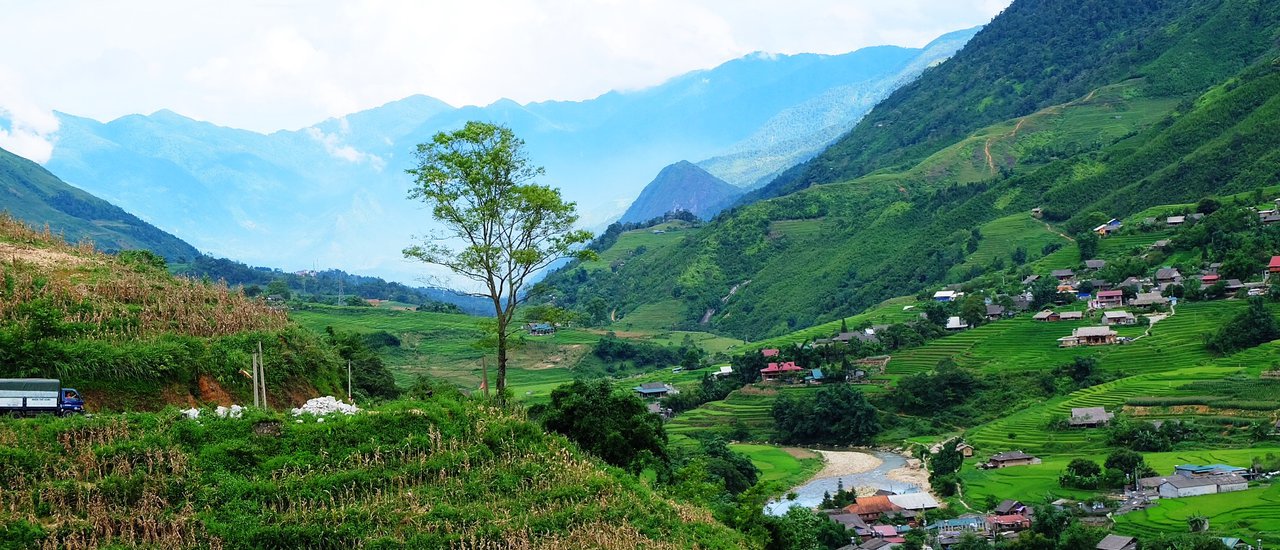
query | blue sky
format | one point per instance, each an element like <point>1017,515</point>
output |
<point>287,64</point>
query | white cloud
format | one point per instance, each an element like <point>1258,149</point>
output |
<point>289,64</point>
<point>333,145</point>
<point>26,129</point>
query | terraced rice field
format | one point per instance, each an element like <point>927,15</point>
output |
<point>1002,236</point>
<point>1027,430</point>
<point>1252,514</point>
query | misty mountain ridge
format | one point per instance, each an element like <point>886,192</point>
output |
<point>319,195</point>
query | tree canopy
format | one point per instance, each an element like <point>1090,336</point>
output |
<point>499,227</point>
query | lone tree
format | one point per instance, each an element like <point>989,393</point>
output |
<point>499,226</point>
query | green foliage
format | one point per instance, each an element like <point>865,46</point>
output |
<point>1251,327</point>
<point>613,425</point>
<point>478,182</point>
<point>835,415</point>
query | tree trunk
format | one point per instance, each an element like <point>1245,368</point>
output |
<point>502,366</point>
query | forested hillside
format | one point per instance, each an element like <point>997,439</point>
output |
<point>1039,53</point>
<point>31,194</point>
<point>1178,117</point>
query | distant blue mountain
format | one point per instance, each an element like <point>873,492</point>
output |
<point>682,186</point>
<point>334,193</point>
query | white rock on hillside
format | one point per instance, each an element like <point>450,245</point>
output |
<point>323,406</point>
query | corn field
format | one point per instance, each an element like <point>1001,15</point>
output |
<point>444,474</point>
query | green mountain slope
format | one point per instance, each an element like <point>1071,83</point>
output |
<point>830,250</point>
<point>33,195</point>
<point>1044,52</point>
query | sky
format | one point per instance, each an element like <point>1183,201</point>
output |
<point>286,64</point>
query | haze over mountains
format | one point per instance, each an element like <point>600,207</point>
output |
<point>333,194</point>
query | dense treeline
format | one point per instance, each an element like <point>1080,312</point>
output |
<point>327,284</point>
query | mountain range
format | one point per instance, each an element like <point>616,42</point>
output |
<point>334,193</point>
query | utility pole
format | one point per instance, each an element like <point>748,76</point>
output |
<point>348,380</point>
<point>262,378</point>
<point>255,381</point>
<point>484,370</point>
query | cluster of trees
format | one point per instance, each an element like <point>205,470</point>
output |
<point>369,375</point>
<point>1119,469</point>
<point>835,415</point>
<point>1146,437</point>
<point>1247,329</point>
<point>620,353</point>
<point>324,286</point>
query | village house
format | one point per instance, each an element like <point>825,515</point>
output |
<point>655,390</point>
<point>1209,278</point>
<point>914,502</point>
<point>1110,298</point>
<point>1118,318</point>
<point>947,295</point>
<point>725,370</point>
<point>541,329</point>
<point>658,409</point>
<point>1234,285</point>
<point>1063,274</point>
<point>852,522</point>
<point>1274,265</point>
<point>1117,542</point>
<point>1197,470</point>
<point>769,352</point>
<point>1100,284</point>
<point>1011,458</point>
<point>1030,279</point>
<point>1174,221</point>
<point>1010,507</point>
<point>995,311</point>
<point>1168,275</point>
<point>1089,417</point>
<point>965,450</point>
<point>1161,244</point>
<point>1095,264</point>
<point>955,323</point>
<point>871,508</point>
<point>1008,523</point>
<point>1183,486</point>
<point>1148,299</point>
<point>1047,316</point>
<point>1088,336</point>
<point>1071,316</point>
<point>780,371</point>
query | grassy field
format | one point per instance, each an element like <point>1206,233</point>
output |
<point>630,241</point>
<point>784,467</point>
<point>442,345</point>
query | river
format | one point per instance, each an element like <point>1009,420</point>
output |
<point>809,495</point>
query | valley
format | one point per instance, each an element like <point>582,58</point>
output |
<point>1016,289</point>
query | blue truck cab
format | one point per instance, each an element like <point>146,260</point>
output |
<point>31,396</point>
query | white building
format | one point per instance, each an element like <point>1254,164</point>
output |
<point>1181,486</point>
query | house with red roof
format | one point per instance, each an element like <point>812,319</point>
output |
<point>1274,266</point>
<point>871,508</point>
<point>779,371</point>
<point>769,352</point>
<point>1209,278</point>
<point>1110,298</point>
